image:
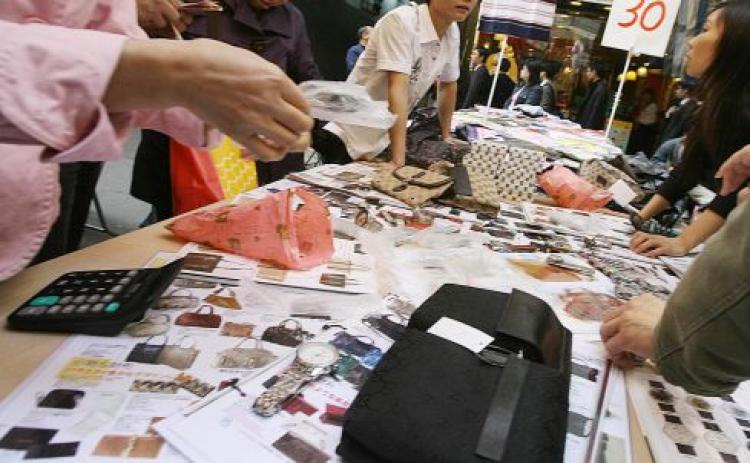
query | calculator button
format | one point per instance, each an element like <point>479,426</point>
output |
<point>116,289</point>
<point>132,273</point>
<point>27,311</point>
<point>97,308</point>
<point>133,288</point>
<point>112,307</point>
<point>109,280</point>
<point>83,308</point>
<point>54,309</point>
<point>68,309</point>
<point>77,282</point>
<point>67,290</point>
<point>66,299</point>
<point>84,290</point>
<point>78,299</point>
<point>107,297</point>
<point>61,283</point>
<point>44,300</point>
<point>93,298</point>
<point>101,290</point>
<point>124,281</point>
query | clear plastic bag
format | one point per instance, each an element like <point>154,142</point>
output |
<point>346,103</point>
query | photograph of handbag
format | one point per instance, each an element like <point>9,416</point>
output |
<point>225,302</point>
<point>237,330</point>
<point>66,399</point>
<point>384,325</point>
<point>297,404</point>
<point>179,356</point>
<point>604,175</point>
<point>128,446</point>
<point>245,358</point>
<point>412,185</point>
<point>285,335</point>
<point>201,262</point>
<point>146,351</point>
<point>357,376</point>
<point>153,325</point>
<point>180,298</point>
<point>334,415</point>
<point>199,319</point>
<point>353,345</point>
<point>298,450</point>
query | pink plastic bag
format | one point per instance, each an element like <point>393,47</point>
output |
<point>290,229</point>
<point>570,190</point>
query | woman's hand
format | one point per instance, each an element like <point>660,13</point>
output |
<point>657,245</point>
<point>735,171</point>
<point>631,329</point>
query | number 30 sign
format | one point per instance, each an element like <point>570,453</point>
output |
<point>643,25</point>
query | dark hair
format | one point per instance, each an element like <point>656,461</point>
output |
<point>534,67</point>
<point>361,31</point>
<point>723,120</point>
<point>483,52</point>
<point>601,68</point>
<point>505,65</point>
<point>551,68</point>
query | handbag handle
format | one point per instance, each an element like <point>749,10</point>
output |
<point>222,288</point>
<point>175,291</point>
<point>153,318</point>
<point>414,179</point>
<point>200,309</point>
<point>148,340</point>
<point>258,343</point>
<point>179,343</point>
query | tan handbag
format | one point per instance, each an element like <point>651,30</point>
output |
<point>237,330</point>
<point>412,185</point>
<point>604,175</point>
<point>177,356</point>
<point>502,171</point>
<point>225,302</point>
<point>244,357</point>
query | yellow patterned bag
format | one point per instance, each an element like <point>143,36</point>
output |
<point>236,175</point>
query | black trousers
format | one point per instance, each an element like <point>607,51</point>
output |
<point>77,187</point>
<point>330,147</point>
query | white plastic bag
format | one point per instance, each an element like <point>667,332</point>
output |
<point>346,103</point>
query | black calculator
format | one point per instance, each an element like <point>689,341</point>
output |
<point>98,302</point>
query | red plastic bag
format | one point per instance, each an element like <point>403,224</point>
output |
<point>570,190</point>
<point>290,229</point>
<point>195,181</point>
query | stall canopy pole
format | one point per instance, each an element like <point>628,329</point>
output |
<point>497,74</point>
<point>618,95</point>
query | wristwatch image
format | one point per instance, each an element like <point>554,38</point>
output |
<point>314,359</point>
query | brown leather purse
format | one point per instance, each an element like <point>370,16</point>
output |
<point>199,319</point>
<point>225,302</point>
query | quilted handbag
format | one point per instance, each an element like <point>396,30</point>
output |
<point>199,319</point>
<point>604,175</point>
<point>412,185</point>
<point>146,351</point>
<point>500,171</point>
<point>245,357</point>
<point>177,355</point>
<point>286,336</point>
<point>178,299</point>
<point>226,302</point>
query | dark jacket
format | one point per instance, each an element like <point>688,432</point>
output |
<point>352,55</point>
<point>480,83</point>
<point>530,94</point>
<point>549,98</point>
<point>677,124</point>
<point>503,90</point>
<point>593,112</point>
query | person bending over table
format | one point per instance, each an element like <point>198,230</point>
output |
<point>409,49</point>
<point>699,337</point>
<point>720,57</point>
<point>69,94</point>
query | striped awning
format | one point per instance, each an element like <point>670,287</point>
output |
<point>530,19</point>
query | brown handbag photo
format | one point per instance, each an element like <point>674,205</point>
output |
<point>178,356</point>
<point>412,185</point>
<point>199,319</point>
<point>180,298</point>
<point>225,302</point>
<point>286,336</point>
<point>237,330</point>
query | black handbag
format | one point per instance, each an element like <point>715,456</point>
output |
<point>430,399</point>
<point>146,352</point>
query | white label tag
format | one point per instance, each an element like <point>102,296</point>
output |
<point>461,334</point>
<point>621,193</point>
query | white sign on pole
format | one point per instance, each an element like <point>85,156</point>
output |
<point>643,26</point>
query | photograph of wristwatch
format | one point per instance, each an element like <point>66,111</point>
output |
<point>313,360</point>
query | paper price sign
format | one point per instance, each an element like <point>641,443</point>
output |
<point>641,25</point>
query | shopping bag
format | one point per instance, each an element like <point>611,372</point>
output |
<point>570,190</point>
<point>236,174</point>
<point>290,229</point>
<point>195,180</point>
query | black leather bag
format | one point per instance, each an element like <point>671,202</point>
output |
<point>430,399</point>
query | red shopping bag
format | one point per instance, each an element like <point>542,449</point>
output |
<point>571,191</point>
<point>195,180</point>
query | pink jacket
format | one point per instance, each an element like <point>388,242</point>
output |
<point>56,59</point>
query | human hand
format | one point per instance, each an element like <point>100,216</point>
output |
<point>734,171</point>
<point>157,16</point>
<point>657,245</point>
<point>246,97</point>
<point>631,329</point>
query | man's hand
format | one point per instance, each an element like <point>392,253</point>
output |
<point>656,245</point>
<point>631,329</point>
<point>735,171</point>
<point>157,17</point>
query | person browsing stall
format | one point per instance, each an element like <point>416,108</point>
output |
<point>352,54</point>
<point>410,48</point>
<point>720,57</point>
<point>528,91</point>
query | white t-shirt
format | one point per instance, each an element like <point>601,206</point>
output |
<point>649,115</point>
<point>402,41</point>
